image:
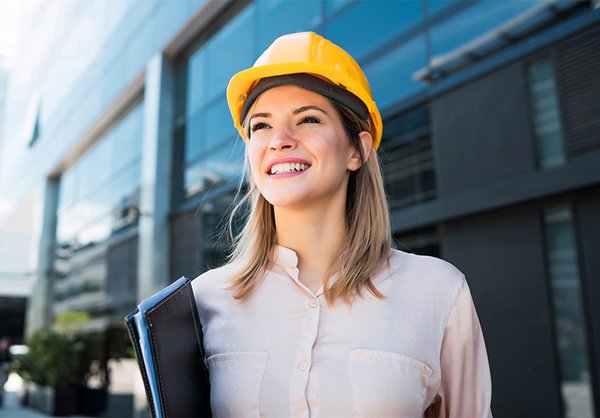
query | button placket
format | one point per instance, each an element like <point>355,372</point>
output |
<point>304,355</point>
<point>313,326</point>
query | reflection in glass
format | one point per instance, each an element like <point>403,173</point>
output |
<point>212,154</point>
<point>278,17</point>
<point>215,169</point>
<point>380,21</point>
<point>546,114</point>
<point>407,159</point>
<point>94,192</point>
<point>391,75</point>
<point>219,126</point>
<point>434,6</point>
<point>569,319</point>
<point>215,244</point>
<point>229,51</point>
<point>482,17</point>
<point>332,6</point>
<point>194,136</point>
<point>196,81</point>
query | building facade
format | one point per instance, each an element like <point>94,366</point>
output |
<point>15,241</point>
<point>490,155</point>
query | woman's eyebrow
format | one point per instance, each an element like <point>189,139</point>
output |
<point>310,107</point>
<point>259,115</point>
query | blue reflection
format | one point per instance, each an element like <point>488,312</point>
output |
<point>196,81</point>
<point>96,187</point>
<point>367,24</point>
<point>278,17</point>
<point>219,124</point>
<point>391,76</point>
<point>216,169</point>
<point>194,136</point>
<point>434,6</point>
<point>229,51</point>
<point>474,22</point>
<point>332,6</point>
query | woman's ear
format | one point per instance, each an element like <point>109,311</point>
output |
<point>366,143</point>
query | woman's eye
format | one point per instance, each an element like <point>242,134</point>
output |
<point>258,125</point>
<point>309,119</point>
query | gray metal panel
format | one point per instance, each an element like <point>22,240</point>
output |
<point>501,253</point>
<point>577,174</point>
<point>480,132</point>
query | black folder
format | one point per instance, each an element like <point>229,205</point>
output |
<point>166,334</point>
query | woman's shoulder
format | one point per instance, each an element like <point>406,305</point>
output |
<point>423,270</point>
<point>214,280</point>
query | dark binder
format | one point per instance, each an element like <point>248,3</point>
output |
<point>166,334</point>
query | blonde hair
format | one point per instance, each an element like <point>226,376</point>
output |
<point>368,232</point>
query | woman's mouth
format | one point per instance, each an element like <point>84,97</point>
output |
<point>288,168</point>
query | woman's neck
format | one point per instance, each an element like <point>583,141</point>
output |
<point>316,235</point>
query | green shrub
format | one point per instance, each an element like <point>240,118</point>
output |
<point>57,358</point>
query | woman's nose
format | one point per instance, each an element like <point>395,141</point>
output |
<point>282,139</point>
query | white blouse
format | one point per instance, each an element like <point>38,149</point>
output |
<point>284,352</point>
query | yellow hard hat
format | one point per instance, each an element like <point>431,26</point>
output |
<point>306,53</point>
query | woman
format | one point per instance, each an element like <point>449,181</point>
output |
<point>316,314</point>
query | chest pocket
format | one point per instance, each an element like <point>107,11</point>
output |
<point>386,384</point>
<point>235,380</point>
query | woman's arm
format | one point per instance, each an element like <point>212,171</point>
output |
<point>466,387</point>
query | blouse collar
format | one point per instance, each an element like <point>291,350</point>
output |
<point>284,257</point>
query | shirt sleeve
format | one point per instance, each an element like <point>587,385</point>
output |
<point>465,387</point>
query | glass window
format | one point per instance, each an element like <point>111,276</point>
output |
<point>475,21</point>
<point>332,6</point>
<point>435,5</point>
<point>212,153</point>
<point>219,125</point>
<point>391,76</point>
<point>196,85</point>
<point>569,319</point>
<point>232,49</point>
<point>103,179</point>
<point>215,169</point>
<point>546,114</point>
<point>278,17</point>
<point>407,159</point>
<point>367,24</point>
<point>194,136</point>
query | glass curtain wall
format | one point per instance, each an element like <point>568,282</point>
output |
<point>393,50</point>
<point>212,153</point>
<point>391,40</point>
<point>98,198</point>
<point>407,159</point>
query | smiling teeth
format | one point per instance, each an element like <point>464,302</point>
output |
<point>288,167</point>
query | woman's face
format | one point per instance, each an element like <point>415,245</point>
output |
<point>299,153</point>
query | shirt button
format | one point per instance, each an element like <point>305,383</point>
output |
<point>313,303</point>
<point>303,365</point>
